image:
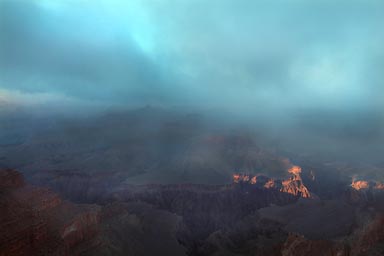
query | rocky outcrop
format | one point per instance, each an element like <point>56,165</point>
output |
<point>367,192</point>
<point>360,184</point>
<point>292,185</point>
<point>366,185</point>
<point>35,221</point>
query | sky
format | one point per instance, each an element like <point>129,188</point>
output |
<point>239,55</point>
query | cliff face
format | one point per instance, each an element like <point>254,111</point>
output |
<point>35,221</point>
<point>292,185</point>
<point>366,192</point>
<point>367,185</point>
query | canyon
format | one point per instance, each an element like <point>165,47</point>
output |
<point>242,218</point>
<point>149,182</point>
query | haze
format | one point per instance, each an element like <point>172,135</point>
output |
<point>289,68</point>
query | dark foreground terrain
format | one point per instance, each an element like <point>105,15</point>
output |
<point>252,216</point>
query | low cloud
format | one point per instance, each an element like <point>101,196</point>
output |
<point>273,58</point>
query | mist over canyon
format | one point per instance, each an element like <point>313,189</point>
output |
<point>161,127</point>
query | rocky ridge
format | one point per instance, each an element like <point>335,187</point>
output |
<point>292,185</point>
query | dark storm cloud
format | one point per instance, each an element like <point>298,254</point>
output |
<point>239,55</point>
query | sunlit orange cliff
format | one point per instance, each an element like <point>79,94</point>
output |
<point>292,185</point>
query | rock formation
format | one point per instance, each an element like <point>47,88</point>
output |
<point>365,184</point>
<point>292,185</point>
<point>35,221</point>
